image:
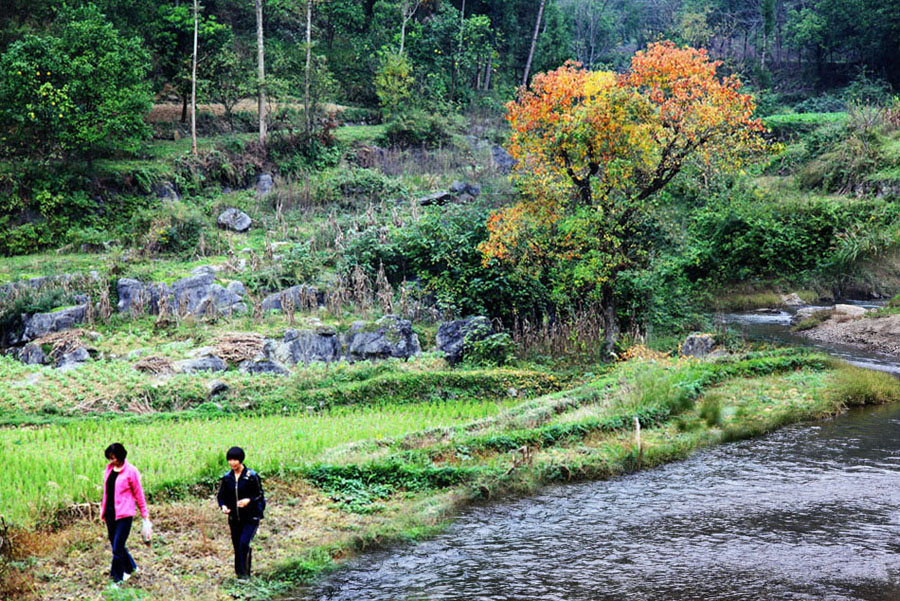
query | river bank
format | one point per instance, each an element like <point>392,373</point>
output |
<point>875,333</point>
<point>382,491</point>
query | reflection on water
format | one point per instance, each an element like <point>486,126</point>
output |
<point>809,513</point>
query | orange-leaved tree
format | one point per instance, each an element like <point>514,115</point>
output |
<point>594,149</point>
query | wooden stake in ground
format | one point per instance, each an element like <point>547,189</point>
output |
<point>194,82</point>
<point>261,72</point>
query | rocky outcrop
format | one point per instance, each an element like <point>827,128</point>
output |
<point>436,198</point>
<point>210,363</point>
<point>388,337</point>
<point>72,358</point>
<point>166,192</point>
<point>262,366</point>
<point>301,295</point>
<point>697,345</point>
<point>194,295</point>
<point>41,324</point>
<point>33,354</point>
<point>234,220</point>
<point>264,184</point>
<point>503,161</point>
<point>460,192</point>
<point>880,334</point>
<point>452,336</point>
<point>320,344</point>
<point>849,310</point>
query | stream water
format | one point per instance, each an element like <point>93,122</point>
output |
<point>808,513</point>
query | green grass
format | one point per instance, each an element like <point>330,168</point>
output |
<point>47,468</point>
<point>359,134</point>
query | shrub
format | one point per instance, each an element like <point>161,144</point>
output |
<point>855,387</point>
<point>171,228</point>
<point>420,128</point>
<point>495,350</point>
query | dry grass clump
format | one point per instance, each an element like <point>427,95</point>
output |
<point>61,343</point>
<point>239,346</point>
<point>639,351</point>
<point>155,365</point>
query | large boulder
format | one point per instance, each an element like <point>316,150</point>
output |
<point>72,358</point>
<point>460,188</point>
<point>390,336</point>
<point>234,220</point>
<point>304,346</point>
<point>166,192</point>
<point>297,293</point>
<point>195,295</point>
<point>262,366</point>
<point>503,161</point>
<point>33,354</point>
<point>436,198</point>
<point>849,310</point>
<point>264,184</point>
<point>200,364</point>
<point>41,324</point>
<point>452,336</point>
<point>697,345</point>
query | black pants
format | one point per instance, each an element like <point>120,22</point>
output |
<point>241,535</point>
<point>122,563</point>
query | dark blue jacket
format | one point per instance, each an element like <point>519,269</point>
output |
<point>249,486</point>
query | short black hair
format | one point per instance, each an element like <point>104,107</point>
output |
<point>235,453</point>
<point>116,450</point>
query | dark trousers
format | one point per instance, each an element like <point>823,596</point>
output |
<point>122,563</point>
<point>241,535</point>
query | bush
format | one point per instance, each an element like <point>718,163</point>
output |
<point>420,128</point>
<point>359,115</point>
<point>855,387</point>
<point>495,350</point>
<point>351,186</point>
<point>81,90</point>
<point>171,228</point>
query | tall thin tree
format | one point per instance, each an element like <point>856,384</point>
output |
<point>261,71</point>
<point>194,81</point>
<point>408,8</point>
<point>306,112</point>
<point>534,37</point>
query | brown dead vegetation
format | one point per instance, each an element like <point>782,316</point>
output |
<point>239,346</point>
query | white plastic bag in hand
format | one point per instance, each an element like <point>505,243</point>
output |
<point>146,531</point>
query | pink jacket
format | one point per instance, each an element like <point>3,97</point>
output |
<point>128,492</point>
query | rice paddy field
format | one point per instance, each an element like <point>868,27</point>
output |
<point>64,464</point>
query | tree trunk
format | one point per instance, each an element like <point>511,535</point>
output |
<point>534,37</point>
<point>184,108</point>
<point>261,72</point>
<point>487,72</point>
<point>194,82</point>
<point>306,83</point>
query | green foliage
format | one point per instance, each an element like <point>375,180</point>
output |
<point>420,128</point>
<point>855,387</point>
<point>26,300</point>
<point>169,228</point>
<point>497,350</point>
<point>393,83</point>
<point>81,90</point>
<point>440,251</point>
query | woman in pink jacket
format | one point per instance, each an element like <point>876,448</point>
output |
<point>121,493</point>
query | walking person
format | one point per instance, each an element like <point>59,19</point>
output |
<point>122,495</point>
<point>241,498</point>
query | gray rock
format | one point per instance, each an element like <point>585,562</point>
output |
<point>457,187</point>
<point>304,346</point>
<point>390,336</point>
<point>697,345</point>
<point>203,351</point>
<point>33,354</point>
<point>234,220</point>
<point>73,358</point>
<point>464,198</point>
<point>262,366</point>
<point>792,300</point>
<point>41,324</point>
<point>166,192</point>
<point>208,363</point>
<point>452,336</point>
<point>436,198</point>
<point>215,387</point>
<point>297,293</point>
<point>236,288</point>
<point>849,310</point>
<point>502,159</point>
<point>264,184</point>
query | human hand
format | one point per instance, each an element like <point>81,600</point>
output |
<point>225,510</point>
<point>243,502</point>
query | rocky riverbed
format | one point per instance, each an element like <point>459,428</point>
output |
<point>880,334</point>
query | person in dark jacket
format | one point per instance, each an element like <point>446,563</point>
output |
<point>241,498</point>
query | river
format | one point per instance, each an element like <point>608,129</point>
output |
<point>810,512</point>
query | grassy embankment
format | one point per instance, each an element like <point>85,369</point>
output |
<point>344,479</point>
